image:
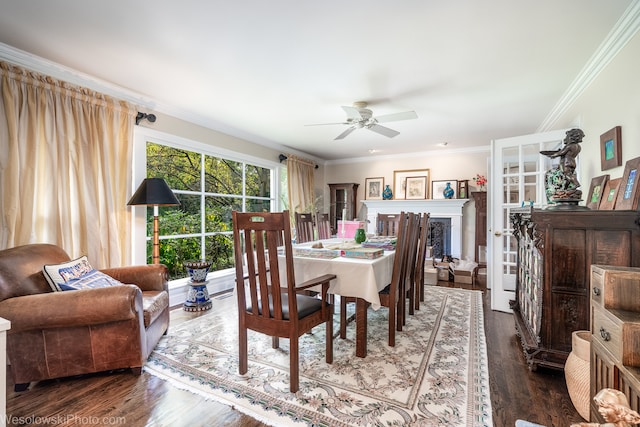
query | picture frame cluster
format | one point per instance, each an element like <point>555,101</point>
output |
<point>414,184</point>
<point>621,193</point>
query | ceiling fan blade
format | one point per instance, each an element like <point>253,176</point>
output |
<point>352,113</point>
<point>383,131</point>
<point>345,133</point>
<point>407,115</point>
<point>325,124</point>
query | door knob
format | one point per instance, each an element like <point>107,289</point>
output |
<point>497,234</point>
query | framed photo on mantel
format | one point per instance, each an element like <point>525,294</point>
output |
<point>400,181</point>
<point>416,188</point>
<point>373,188</point>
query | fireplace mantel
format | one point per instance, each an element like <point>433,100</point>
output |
<point>445,208</point>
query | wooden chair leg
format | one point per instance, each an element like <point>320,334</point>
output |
<point>329,339</point>
<point>412,300</point>
<point>294,376</point>
<point>275,342</point>
<point>343,317</point>
<point>392,322</point>
<point>242,351</point>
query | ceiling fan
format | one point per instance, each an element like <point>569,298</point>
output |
<point>359,116</point>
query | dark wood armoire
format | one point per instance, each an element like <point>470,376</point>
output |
<point>555,252</point>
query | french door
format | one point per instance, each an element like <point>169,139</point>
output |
<point>517,178</point>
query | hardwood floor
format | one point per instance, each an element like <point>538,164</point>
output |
<point>120,398</point>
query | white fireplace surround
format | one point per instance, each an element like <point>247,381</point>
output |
<point>446,208</point>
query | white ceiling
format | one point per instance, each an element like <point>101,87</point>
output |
<point>472,70</point>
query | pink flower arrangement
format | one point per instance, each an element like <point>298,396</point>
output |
<point>480,181</point>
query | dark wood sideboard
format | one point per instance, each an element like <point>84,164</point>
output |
<point>555,252</point>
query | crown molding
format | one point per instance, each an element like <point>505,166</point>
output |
<point>486,149</point>
<point>624,30</point>
<point>60,72</point>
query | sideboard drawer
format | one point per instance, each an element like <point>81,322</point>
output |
<point>619,332</point>
<point>615,287</point>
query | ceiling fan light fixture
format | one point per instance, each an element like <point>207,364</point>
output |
<point>358,117</point>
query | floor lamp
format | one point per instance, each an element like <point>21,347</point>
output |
<point>154,192</point>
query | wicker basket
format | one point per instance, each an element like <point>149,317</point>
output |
<point>577,372</point>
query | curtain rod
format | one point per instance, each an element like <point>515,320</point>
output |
<point>282,158</point>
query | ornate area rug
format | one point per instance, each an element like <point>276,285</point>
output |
<point>436,375</point>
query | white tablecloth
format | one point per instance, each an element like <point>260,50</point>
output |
<point>360,278</point>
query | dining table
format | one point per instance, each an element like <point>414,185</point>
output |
<point>360,278</point>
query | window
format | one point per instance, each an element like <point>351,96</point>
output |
<point>209,186</point>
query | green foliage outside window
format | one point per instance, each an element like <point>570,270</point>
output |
<point>209,189</point>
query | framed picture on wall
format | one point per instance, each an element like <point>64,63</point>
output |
<point>400,181</point>
<point>373,188</point>
<point>611,148</point>
<point>596,190</point>
<point>628,193</point>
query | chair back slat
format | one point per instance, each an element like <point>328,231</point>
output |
<point>304,227</point>
<point>388,224</point>
<point>262,235</point>
<point>324,226</point>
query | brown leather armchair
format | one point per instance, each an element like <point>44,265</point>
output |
<point>60,334</point>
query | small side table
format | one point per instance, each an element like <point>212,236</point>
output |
<point>198,294</point>
<point>197,297</point>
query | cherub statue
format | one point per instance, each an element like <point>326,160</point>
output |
<point>614,408</point>
<point>562,182</point>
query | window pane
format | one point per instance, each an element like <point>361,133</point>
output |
<point>183,219</point>
<point>222,176</point>
<point>236,185</point>
<point>255,205</point>
<point>173,252</point>
<point>180,168</point>
<point>220,251</point>
<point>219,212</point>
<point>258,181</point>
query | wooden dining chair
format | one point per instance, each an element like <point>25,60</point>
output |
<point>407,286</point>
<point>394,295</point>
<point>267,305</point>
<point>387,224</point>
<point>323,226</point>
<point>418,276</point>
<point>304,227</point>
<point>390,295</point>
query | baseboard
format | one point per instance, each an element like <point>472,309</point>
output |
<point>218,282</point>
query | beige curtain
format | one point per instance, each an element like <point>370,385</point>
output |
<point>301,184</point>
<point>65,167</point>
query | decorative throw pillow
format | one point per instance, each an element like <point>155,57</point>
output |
<point>76,274</point>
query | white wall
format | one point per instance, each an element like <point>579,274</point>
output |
<point>446,164</point>
<point>613,99</point>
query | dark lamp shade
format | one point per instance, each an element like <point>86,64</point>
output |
<point>154,191</point>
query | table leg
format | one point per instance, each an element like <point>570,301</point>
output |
<point>361,327</point>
